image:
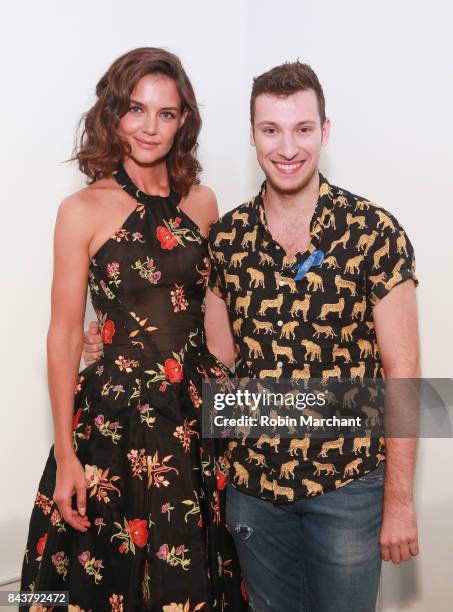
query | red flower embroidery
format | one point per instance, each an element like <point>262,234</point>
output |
<point>108,330</point>
<point>75,420</point>
<point>138,531</point>
<point>41,544</point>
<point>221,480</point>
<point>173,370</point>
<point>166,238</point>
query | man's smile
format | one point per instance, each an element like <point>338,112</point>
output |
<point>288,167</point>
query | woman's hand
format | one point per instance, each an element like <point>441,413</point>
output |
<point>71,480</point>
<point>92,344</point>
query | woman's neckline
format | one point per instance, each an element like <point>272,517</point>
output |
<point>127,184</point>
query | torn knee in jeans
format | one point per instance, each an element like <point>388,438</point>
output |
<point>244,531</point>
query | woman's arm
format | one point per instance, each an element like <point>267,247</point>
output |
<point>64,345</point>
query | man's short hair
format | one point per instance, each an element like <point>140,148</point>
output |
<point>285,80</point>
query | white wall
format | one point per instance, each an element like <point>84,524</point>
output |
<point>385,68</point>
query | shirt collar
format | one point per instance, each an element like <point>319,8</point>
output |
<point>324,201</point>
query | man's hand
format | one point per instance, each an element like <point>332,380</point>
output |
<point>92,346</point>
<point>398,539</point>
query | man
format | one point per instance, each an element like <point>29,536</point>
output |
<point>310,538</point>
<point>322,551</point>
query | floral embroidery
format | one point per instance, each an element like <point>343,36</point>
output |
<point>38,608</point>
<point>221,480</point>
<point>215,505</point>
<point>178,298</point>
<point>75,419</point>
<point>183,433</point>
<point>40,547</point>
<point>91,565</point>
<point>194,507</point>
<point>113,272</point>
<point>174,607</point>
<point>80,431</point>
<point>204,273</point>
<point>108,429</point>
<point>121,234</point>
<point>174,556</point>
<point>78,386</point>
<point>171,371</point>
<point>43,502</point>
<point>99,522</point>
<point>144,410</point>
<point>194,395</point>
<point>137,236</point>
<point>99,482</point>
<point>150,465</point>
<point>147,270</point>
<point>108,292</point>
<point>166,509</point>
<point>166,238</point>
<point>106,327</point>
<point>126,365</point>
<point>61,563</point>
<point>134,533</point>
<point>170,234</point>
<point>94,287</point>
<point>116,603</point>
<point>57,521</point>
<point>145,584</point>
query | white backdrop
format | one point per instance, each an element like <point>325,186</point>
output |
<point>385,68</point>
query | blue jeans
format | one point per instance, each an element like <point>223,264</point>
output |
<point>317,554</point>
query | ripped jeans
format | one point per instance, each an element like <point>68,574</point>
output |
<point>317,554</point>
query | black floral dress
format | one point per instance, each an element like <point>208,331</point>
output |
<point>155,489</point>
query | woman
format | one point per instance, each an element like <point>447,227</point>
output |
<point>129,511</point>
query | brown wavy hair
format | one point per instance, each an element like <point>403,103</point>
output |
<point>100,148</point>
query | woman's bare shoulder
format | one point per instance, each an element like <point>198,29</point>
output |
<point>201,200</point>
<point>201,205</point>
<point>87,196</point>
<point>86,203</point>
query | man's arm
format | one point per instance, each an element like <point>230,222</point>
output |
<point>92,344</point>
<point>396,323</point>
<point>219,335</point>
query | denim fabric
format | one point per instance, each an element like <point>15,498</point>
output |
<point>317,554</point>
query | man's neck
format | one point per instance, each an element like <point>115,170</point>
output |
<point>300,205</point>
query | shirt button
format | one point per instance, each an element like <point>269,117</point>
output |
<point>277,246</point>
<point>281,283</point>
<point>279,364</point>
<point>279,323</point>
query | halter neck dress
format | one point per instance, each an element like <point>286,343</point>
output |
<point>155,488</point>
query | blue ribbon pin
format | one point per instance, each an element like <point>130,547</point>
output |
<point>314,259</point>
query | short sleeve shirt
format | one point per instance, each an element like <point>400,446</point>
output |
<point>317,325</point>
